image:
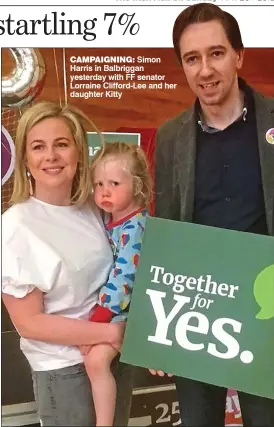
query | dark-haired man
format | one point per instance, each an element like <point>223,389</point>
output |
<point>215,166</point>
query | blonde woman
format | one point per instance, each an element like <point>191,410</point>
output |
<point>122,189</point>
<point>56,257</point>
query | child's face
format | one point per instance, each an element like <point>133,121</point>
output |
<point>113,187</point>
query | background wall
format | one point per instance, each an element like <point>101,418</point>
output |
<point>145,108</point>
<point>141,108</point>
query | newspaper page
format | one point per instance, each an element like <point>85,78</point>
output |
<point>114,60</point>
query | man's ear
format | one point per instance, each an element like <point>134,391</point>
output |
<point>240,58</point>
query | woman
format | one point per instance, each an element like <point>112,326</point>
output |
<point>55,258</point>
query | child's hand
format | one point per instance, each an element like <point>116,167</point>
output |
<point>160,373</point>
<point>85,349</point>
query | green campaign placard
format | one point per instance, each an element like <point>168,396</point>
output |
<point>94,142</point>
<point>203,306</point>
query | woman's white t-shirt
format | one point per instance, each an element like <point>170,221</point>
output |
<point>64,252</point>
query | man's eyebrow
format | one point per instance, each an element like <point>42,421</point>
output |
<point>195,52</point>
<point>190,53</point>
<point>217,46</point>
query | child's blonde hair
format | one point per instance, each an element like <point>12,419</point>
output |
<point>138,167</point>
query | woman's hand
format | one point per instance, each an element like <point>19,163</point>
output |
<point>85,349</point>
<point>159,373</point>
<point>117,335</point>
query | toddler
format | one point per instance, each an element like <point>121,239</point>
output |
<point>122,189</point>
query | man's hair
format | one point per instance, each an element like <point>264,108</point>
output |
<point>205,12</point>
<point>137,164</point>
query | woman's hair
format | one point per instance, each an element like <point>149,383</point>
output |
<point>137,164</point>
<point>205,12</point>
<point>78,124</point>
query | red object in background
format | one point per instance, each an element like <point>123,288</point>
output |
<point>233,409</point>
<point>148,145</point>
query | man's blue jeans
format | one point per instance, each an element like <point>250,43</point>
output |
<point>203,405</point>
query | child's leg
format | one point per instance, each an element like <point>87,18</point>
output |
<point>97,363</point>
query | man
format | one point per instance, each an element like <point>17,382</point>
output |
<point>215,166</point>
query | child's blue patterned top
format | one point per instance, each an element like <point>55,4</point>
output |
<point>125,237</point>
